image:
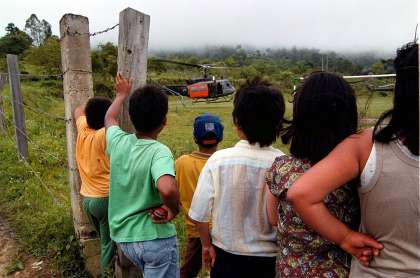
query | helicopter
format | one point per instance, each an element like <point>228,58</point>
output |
<point>208,88</point>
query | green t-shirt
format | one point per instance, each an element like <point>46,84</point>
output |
<point>135,166</point>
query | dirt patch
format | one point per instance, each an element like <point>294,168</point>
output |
<point>14,262</point>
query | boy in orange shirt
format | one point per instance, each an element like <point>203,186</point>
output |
<point>93,165</point>
<point>208,132</point>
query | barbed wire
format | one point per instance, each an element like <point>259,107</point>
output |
<point>30,140</point>
<point>32,170</point>
<point>76,33</point>
<point>58,76</point>
<point>30,75</point>
<point>37,110</point>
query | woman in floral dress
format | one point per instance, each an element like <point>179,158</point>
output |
<point>324,113</point>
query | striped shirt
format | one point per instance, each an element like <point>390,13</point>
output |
<point>231,192</point>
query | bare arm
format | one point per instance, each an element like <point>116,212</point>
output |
<point>208,253</point>
<point>343,164</point>
<point>79,111</point>
<point>169,194</point>
<point>272,205</point>
<point>123,89</point>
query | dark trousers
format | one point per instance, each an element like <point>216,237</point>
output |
<point>192,258</point>
<point>237,266</point>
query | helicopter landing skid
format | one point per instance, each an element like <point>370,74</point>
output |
<point>214,100</point>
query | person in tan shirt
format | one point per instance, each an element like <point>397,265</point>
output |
<point>93,165</point>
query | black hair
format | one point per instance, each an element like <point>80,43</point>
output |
<point>95,111</point>
<point>324,113</point>
<point>258,111</point>
<point>404,116</point>
<point>148,107</point>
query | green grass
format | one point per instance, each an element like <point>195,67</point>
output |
<point>35,196</point>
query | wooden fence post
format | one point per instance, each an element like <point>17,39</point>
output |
<point>78,88</point>
<point>133,41</point>
<point>2,114</point>
<point>18,111</point>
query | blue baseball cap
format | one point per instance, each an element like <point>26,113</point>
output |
<point>205,124</point>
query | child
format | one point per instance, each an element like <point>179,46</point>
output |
<point>231,192</point>
<point>142,178</point>
<point>208,132</point>
<point>93,164</point>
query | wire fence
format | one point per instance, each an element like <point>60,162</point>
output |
<point>60,75</point>
<point>30,168</point>
<point>36,146</point>
<point>37,110</point>
<point>68,33</point>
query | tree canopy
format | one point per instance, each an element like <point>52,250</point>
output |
<point>14,42</point>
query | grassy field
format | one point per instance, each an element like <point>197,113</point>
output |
<point>35,196</point>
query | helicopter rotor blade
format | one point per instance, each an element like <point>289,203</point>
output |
<point>203,66</point>
<point>222,67</point>
<point>176,62</point>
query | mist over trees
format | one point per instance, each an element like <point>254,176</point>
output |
<point>39,53</point>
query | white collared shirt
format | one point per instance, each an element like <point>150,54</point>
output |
<point>231,193</point>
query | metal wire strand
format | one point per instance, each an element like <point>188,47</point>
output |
<point>74,34</point>
<point>44,185</point>
<point>37,110</point>
<point>30,140</point>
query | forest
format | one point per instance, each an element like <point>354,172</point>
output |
<point>39,53</point>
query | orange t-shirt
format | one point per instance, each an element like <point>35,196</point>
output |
<point>92,161</point>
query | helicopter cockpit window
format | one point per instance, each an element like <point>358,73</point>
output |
<point>227,84</point>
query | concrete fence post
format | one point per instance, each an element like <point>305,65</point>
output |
<point>78,88</point>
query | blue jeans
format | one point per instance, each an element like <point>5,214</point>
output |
<point>157,258</point>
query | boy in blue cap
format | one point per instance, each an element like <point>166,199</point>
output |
<point>208,132</point>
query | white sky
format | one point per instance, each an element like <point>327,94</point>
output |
<point>340,25</point>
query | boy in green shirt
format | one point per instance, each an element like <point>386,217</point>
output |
<point>141,179</point>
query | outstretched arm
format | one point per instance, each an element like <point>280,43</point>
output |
<point>123,89</point>
<point>343,164</point>
<point>79,111</point>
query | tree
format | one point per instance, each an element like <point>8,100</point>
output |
<point>46,57</point>
<point>38,30</point>
<point>378,67</point>
<point>104,60</point>
<point>104,66</point>
<point>11,29</point>
<point>15,41</point>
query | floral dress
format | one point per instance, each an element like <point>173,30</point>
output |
<point>302,252</point>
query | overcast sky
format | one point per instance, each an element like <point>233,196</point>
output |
<point>340,25</point>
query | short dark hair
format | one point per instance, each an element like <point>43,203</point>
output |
<point>95,111</point>
<point>208,137</point>
<point>404,116</point>
<point>258,111</point>
<point>148,107</point>
<point>324,113</point>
